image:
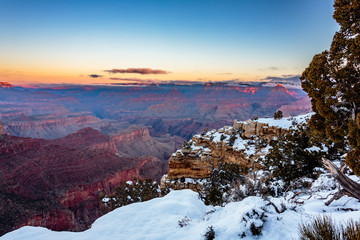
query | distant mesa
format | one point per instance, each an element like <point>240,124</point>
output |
<point>280,89</point>
<point>174,93</point>
<point>5,85</point>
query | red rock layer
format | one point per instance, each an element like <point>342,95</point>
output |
<point>56,183</point>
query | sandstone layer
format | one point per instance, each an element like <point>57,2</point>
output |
<point>243,143</point>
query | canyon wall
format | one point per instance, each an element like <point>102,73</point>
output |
<point>56,183</point>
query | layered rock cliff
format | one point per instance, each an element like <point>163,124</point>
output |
<point>57,183</point>
<point>243,143</point>
<point>53,127</point>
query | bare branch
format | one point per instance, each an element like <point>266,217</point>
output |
<point>349,187</point>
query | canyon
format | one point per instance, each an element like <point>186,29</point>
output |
<point>56,183</point>
<point>63,146</point>
<point>178,110</point>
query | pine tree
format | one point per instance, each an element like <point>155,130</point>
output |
<point>278,115</point>
<point>332,80</point>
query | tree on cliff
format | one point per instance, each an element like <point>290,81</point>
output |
<point>291,158</point>
<point>332,80</point>
<point>278,114</point>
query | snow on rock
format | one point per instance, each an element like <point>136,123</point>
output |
<point>285,122</point>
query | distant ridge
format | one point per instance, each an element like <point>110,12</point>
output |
<point>6,85</point>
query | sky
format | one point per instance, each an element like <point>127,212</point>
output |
<point>104,41</point>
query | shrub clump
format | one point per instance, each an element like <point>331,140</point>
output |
<point>130,192</point>
<point>291,158</point>
<point>222,178</point>
<point>210,233</point>
<point>278,115</point>
<point>325,228</point>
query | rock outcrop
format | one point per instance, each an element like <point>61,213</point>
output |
<point>243,143</point>
<point>251,128</point>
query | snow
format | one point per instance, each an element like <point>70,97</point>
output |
<point>161,218</point>
<point>251,150</point>
<point>313,149</point>
<point>239,144</point>
<point>285,122</point>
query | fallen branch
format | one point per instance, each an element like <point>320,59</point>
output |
<point>275,207</point>
<point>296,194</point>
<point>349,187</point>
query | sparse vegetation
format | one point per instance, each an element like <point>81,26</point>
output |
<point>253,222</point>
<point>223,176</point>
<point>203,133</point>
<point>232,139</point>
<point>289,159</point>
<point>130,192</point>
<point>210,233</point>
<point>278,114</point>
<point>184,222</point>
<point>325,228</point>
<point>222,137</point>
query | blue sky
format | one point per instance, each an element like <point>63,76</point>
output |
<point>65,41</point>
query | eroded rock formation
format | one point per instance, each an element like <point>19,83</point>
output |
<point>54,127</point>
<point>57,183</point>
<point>242,143</point>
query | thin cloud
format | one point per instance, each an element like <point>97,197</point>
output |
<point>224,73</point>
<point>128,79</point>
<point>95,76</point>
<point>138,71</point>
<point>271,68</point>
<point>283,78</point>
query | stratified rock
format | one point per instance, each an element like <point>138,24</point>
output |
<point>57,183</point>
<point>194,161</point>
<point>251,128</point>
<point>56,127</point>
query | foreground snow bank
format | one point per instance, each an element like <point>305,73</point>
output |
<point>159,219</point>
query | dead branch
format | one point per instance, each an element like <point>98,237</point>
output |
<point>296,194</point>
<point>349,187</point>
<point>275,207</point>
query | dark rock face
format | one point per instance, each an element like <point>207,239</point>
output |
<point>56,183</point>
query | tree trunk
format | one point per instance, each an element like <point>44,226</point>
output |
<point>349,187</point>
